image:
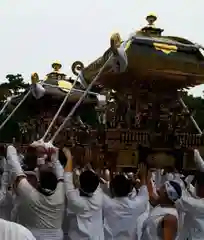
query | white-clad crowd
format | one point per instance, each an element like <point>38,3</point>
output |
<point>56,202</point>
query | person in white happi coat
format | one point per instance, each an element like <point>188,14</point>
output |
<point>192,204</point>
<point>14,231</point>
<point>122,211</point>
<point>85,203</point>
<point>17,201</point>
<point>40,210</point>
<point>141,219</point>
<point>6,199</point>
<point>69,216</point>
<point>162,222</point>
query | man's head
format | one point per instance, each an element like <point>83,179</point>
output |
<point>89,182</point>
<point>47,180</point>
<point>30,159</point>
<point>121,186</point>
<point>169,192</point>
<point>62,157</point>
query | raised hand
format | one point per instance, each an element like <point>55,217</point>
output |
<point>143,173</point>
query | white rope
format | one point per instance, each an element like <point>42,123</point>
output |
<point>79,101</point>
<point>5,105</point>
<point>191,117</point>
<point>14,110</point>
<point>59,110</point>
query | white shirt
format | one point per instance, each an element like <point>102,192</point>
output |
<point>152,226</point>
<point>87,223</point>
<point>140,221</point>
<point>121,214</point>
<point>193,226</point>
<point>45,212</point>
<point>6,199</point>
<point>14,231</point>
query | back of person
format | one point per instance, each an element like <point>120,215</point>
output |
<point>42,212</point>
<point>122,211</point>
<point>152,227</point>
<point>192,205</point>
<point>87,223</point>
<point>6,206</point>
<point>140,221</point>
<point>193,226</point>
<point>14,231</point>
<point>120,218</point>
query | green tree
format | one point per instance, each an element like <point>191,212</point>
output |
<point>14,85</point>
<point>196,106</point>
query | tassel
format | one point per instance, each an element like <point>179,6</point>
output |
<point>37,90</point>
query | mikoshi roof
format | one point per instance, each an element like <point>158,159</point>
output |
<point>56,91</point>
<point>173,60</point>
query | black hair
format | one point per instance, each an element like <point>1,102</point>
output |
<point>89,182</point>
<point>184,182</point>
<point>62,157</point>
<point>199,178</point>
<point>48,181</point>
<point>177,188</point>
<point>30,160</point>
<point>121,186</point>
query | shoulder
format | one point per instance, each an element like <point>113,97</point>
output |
<point>170,220</point>
<point>26,190</point>
<point>20,230</point>
<point>60,186</point>
<point>59,192</point>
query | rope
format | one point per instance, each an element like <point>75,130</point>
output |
<point>191,117</point>
<point>79,101</point>
<point>5,105</point>
<point>59,110</point>
<point>14,110</point>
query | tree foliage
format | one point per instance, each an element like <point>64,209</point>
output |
<point>13,86</point>
<point>196,106</point>
<point>16,83</point>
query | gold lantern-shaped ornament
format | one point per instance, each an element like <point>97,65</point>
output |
<point>34,78</point>
<point>56,74</point>
<point>151,18</point>
<point>115,41</point>
<point>150,28</point>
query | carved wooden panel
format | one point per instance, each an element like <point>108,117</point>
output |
<point>127,158</point>
<point>160,159</point>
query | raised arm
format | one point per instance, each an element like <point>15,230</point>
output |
<point>198,160</point>
<point>4,183</point>
<point>142,198</point>
<point>76,203</point>
<point>143,191</point>
<point>187,203</point>
<point>14,165</point>
<point>24,189</point>
<point>58,169</point>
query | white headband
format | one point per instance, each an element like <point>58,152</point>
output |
<point>171,192</point>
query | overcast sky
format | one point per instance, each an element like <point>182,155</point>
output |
<point>34,33</point>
